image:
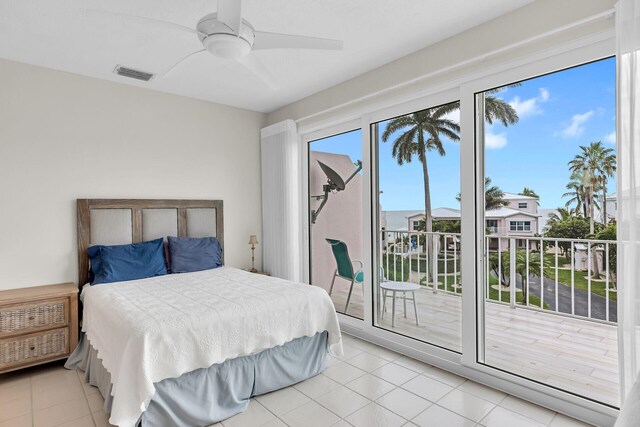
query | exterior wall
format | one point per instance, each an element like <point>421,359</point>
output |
<point>341,217</point>
<point>504,225</point>
<point>532,206</point>
<point>412,219</point>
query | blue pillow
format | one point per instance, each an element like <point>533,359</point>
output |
<point>194,254</point>
<point>120,263</point>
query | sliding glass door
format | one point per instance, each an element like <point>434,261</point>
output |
<point>419,285</point>
<point>474,228</point>
<point>549,241</point>
<point>335,219</point>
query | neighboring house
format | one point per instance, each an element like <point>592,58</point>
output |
<point>520,218</point>
<point>438,214</point>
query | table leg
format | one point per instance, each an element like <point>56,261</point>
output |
<point>415,309</point>
<point>404,300</point>
<point>384,303</point>
<point>393,309</point>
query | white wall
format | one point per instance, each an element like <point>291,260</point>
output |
<point>64,137</point>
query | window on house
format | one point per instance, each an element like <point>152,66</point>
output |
<point>522,205</point>
<point>520,225</point>
<point>416,225</point>
<point>492,224</point>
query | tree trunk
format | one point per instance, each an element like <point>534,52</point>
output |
<point>596,268</point>
<point>604,204</point>
<point>591,210</point>
<point>428,221</point>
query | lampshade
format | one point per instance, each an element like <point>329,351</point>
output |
<point>253,240</point>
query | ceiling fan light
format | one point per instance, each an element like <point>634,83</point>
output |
<point>227,46</point>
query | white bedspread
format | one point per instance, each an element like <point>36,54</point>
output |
<point>151,329</point>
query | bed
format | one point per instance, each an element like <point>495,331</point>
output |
<point>191,349</point>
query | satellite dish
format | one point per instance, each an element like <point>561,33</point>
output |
<point>334,183</point>
<point>333,178</point>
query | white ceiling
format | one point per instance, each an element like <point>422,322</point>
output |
<point>60,34</point>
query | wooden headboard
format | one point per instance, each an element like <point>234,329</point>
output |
<point>122,221</point>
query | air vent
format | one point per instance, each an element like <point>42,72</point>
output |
<point>132,74</point>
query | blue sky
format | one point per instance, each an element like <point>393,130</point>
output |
<point>558,113</point>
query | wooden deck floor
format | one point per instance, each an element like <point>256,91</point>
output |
<point>576,355</point>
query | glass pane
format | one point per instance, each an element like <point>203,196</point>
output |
<point>336,248</point>
<point>418,288</point>
<point>549,278</point>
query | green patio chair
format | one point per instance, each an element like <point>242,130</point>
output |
<point>345,268</point>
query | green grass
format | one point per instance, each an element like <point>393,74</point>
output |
<point>580,278</point>
<point>420,261</point>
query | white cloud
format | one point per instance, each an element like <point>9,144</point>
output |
<point>531,106</point>
<point>544,94</point>
<point>494,141</point>
<point>611,138</point>
<point>576,127</point>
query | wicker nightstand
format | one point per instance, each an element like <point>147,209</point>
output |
<point>37,325</point>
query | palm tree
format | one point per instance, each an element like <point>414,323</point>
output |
<point>503,273</point>
<point>597,164</point>
<point>493,196</point>
<point>578,193</point>
<point>496,109</point>
<point>526,191</point>
<point>608,167</point>
<point>561,215</point>
<point>422,133</point>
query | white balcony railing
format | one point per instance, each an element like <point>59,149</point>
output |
<point>571,277</point>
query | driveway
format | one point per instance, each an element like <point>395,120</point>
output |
<point>581,299</point>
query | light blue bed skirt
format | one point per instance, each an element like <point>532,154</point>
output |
<point>206,396</point>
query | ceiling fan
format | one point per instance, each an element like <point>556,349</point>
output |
<point>226,35</point>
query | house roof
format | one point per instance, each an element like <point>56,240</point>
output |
<point>505,212</point>
<point>448,213</point>
<point>513,196</point>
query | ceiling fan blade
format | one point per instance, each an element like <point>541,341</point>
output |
<point>253,64</point>
<point>145,20</point>
<point>288,41</point>
<point>181,61</point>
<point>230,14</point>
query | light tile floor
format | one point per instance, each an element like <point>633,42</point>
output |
<point>369,386</point>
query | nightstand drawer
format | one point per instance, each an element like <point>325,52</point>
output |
<point>21,318</point>
<point>31,348</point>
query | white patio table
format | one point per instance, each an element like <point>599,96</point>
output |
<point>394,288</point>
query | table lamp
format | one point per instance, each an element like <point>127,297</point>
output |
<point>253,241</point>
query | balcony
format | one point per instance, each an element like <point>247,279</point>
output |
<point>562,333</point>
